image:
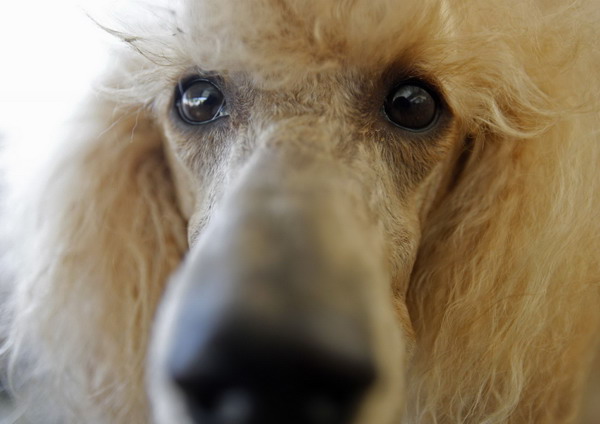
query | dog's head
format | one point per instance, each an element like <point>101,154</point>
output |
<point>308,144</point>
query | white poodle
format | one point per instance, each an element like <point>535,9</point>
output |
<point>381,212</point>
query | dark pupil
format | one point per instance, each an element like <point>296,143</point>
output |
<point>411,106</point>
<point>201,102</point>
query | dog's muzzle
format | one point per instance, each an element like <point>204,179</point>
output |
<point>271,327</point>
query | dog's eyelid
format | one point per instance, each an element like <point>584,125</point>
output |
<point>198,73</point>
<point>188,79</point>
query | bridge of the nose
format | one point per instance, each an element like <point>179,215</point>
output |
<point>273,303</point>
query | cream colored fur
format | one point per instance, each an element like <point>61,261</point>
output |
<point>496,291</point>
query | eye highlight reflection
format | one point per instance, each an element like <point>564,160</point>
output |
<point>200,101</point>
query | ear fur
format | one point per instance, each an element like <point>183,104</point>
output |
<point>106,235</point>
<point>505,292</point>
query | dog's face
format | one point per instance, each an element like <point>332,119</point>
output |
<point>307,149</point>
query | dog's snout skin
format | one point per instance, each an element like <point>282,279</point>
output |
<point>311,367</point>
<point>272,316</point>
<point>271,321</point>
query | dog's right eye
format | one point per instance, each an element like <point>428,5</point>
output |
<point>200,102</point>
<point>412,106</point>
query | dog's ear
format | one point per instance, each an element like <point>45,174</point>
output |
<point>95,254</point>
<point>504,292</point>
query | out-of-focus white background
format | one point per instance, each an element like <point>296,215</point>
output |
<point>50,51</point>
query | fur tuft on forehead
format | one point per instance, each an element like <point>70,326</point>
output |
<point>276,35</point>
<point>464,47</point>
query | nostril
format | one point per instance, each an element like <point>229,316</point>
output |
<point>244,374</point>
<point>205,395</point>
<point>243,406</point>
<point>216,403</point>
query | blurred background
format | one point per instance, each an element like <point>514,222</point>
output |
<point>50,52</point>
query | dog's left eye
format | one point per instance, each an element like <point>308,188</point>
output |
<point>412,106</point>
<point>200,102</point>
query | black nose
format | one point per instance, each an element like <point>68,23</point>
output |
<point>242,371</point>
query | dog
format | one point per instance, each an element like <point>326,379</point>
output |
<point>316,212</point>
